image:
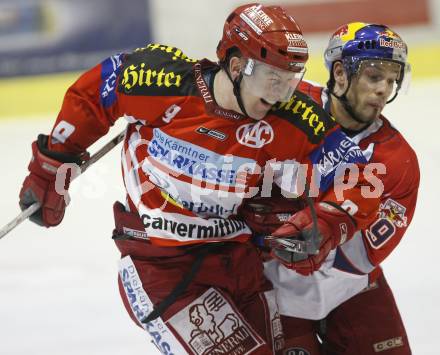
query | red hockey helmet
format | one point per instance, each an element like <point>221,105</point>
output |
<point>265,33</point>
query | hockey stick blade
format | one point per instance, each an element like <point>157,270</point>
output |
<point>36,206</point>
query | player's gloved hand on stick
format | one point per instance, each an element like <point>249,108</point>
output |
<point>334,227</point>
<point>264,215</point>
<point>39,185</point>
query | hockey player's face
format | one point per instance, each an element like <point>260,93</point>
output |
<point>263,85</point>
<point>371,88</point>
<point>256,107</point>
<point>271,83</point>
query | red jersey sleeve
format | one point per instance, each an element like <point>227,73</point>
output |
<point>353,198</point>
<point>90,107</point>
<point>145,86</point>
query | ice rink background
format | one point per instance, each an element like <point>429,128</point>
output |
<point>58,290</point>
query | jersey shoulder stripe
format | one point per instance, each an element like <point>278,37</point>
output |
<point>307,115</point>
<point>157,70</point>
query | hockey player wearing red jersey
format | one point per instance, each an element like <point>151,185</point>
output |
<point>347,299</point>
<point>199,135</point>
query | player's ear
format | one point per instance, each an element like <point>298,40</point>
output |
<point>341,80</point>
<point>235,66</point>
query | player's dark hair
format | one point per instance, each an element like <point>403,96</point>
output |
<point>231,52</point>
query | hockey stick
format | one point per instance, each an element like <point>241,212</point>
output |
<point>302,247</point>
<point>36,206</point>
<point>309,245</point>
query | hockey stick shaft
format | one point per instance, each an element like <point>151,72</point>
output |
<point>36,206</point>
<point>289,245</point>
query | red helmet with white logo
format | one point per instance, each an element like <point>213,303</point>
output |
<point>265,33</point>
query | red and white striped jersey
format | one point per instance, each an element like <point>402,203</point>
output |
<point>188,163</point>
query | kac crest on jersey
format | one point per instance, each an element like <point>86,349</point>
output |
<point>255,135</point>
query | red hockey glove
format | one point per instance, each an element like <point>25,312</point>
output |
<point>264,215</point>
<point>39,185</point>
<point>334,227</point>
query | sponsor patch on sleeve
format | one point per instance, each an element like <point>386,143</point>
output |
<point>336,150</point>
<point>391,217</point>
<point>110,69</point>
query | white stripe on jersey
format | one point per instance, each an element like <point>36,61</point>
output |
<point>176,226</point>
<point>130,166</point>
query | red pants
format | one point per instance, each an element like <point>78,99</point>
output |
<point>368,323</point>
<point>228,307</point>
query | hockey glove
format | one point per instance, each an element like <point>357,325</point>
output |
<point>334,226</point>
<point>39,185</point>
<point>264,215</point>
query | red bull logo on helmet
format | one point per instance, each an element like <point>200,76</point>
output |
<point>341,31</point>
<point>394,44</point>
<point>348,32</point>
<point>389,33</point>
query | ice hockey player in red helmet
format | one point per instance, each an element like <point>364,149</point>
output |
<point>199,135</point>
<point>268,55</point>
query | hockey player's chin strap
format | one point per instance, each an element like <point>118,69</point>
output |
<point>236,83</point>
<point>346,105</point>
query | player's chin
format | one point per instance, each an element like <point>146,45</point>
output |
<point>260,109</point>
<point>374,112</point>
<point>373,117</point>
<point>258,115</point>
<point>369,116</point>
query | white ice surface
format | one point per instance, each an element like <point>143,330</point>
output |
<point>58,289</point>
